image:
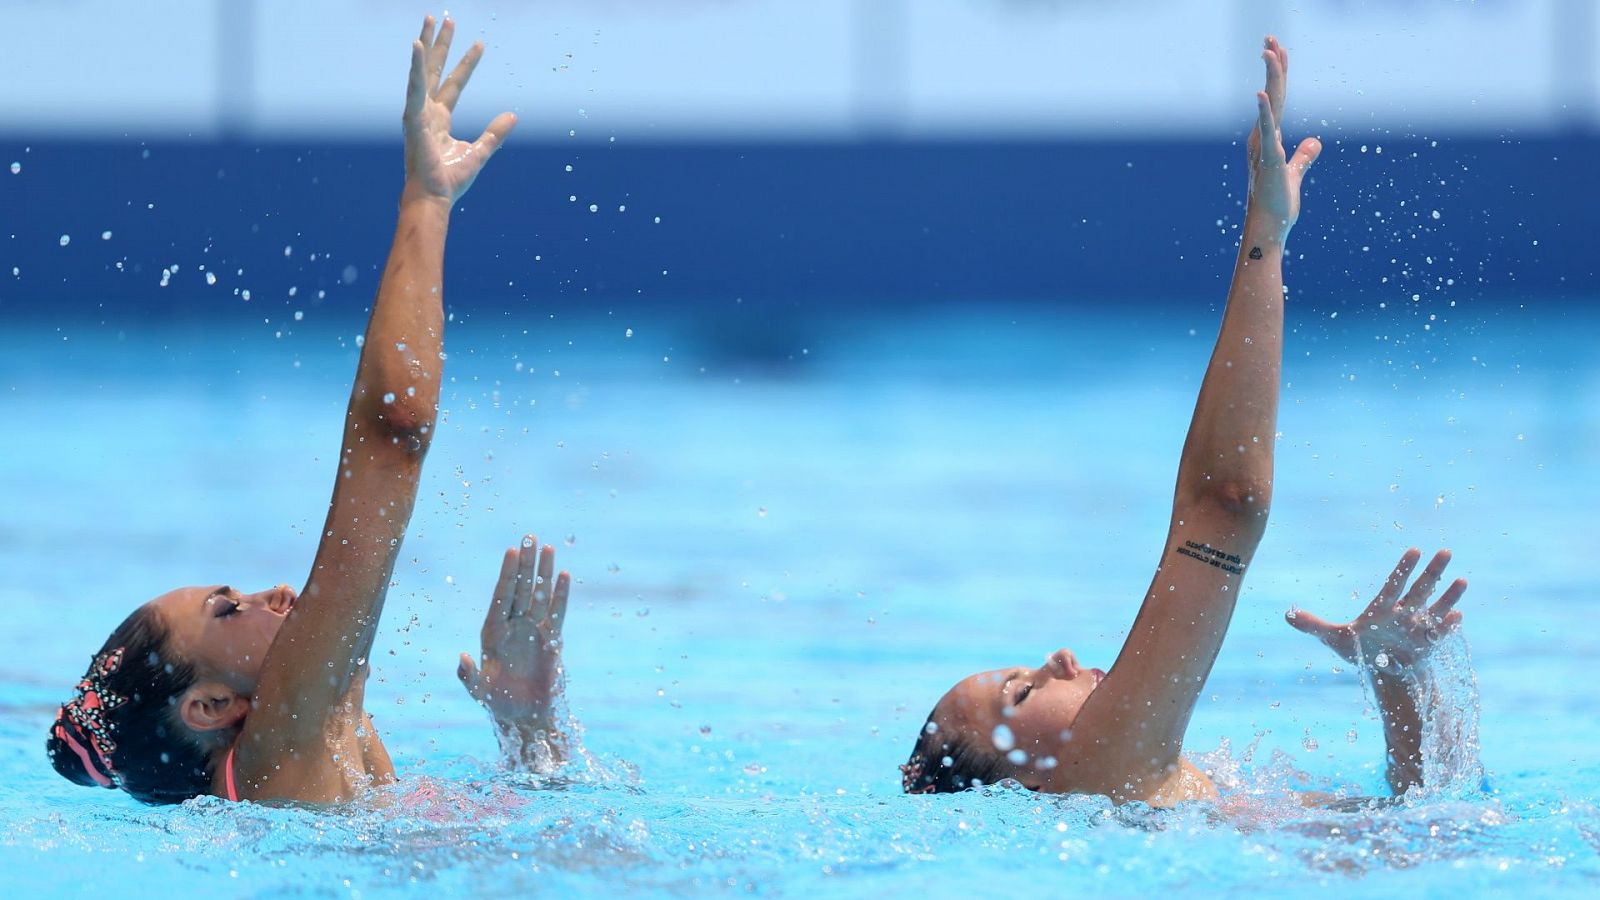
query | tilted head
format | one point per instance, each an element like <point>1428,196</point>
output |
<point>1006,723</point>
<point>169,688</point>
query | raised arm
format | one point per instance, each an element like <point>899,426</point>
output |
<point>1136,719</point>
<point>319,655</point>
<point>1391,641</point>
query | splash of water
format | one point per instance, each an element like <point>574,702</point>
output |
<point>1447,699</point>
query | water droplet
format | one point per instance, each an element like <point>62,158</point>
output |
<point>211,278</point>
<point>299,315</point>
<point>594,207</point>
<point>761,511</point>
<point>572,539</point>
<point>105,235</point>
<point>1003,739</point>
<point>1436,214</point>
<point>388,397</point>
<point>16,168</point>
<point>66,239</point>
<point>1017,757</point>
<point>628,333</point>
<point>348,276</point>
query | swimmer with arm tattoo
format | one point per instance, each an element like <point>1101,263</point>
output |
<point>1064,728</point>
<point>1072,729</point>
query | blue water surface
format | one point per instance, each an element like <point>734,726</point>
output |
<point>783,560</point>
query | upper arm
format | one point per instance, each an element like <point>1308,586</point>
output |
<point>1135,720</point>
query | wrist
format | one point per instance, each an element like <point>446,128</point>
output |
<point>416,196</point>
<point>1394,680</point>
<point>1265,230</point>
<point>536,745</point>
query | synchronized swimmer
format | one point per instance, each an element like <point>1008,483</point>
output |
<point>1063,728</point>
<point>210,691</point>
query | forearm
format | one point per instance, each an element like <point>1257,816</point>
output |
<point>387,428</point>
<point>1228,454</point>
<point>397,382</point>
<point>1399,706</point>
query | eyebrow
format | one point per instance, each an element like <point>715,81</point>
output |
<point>211,592</point>
<point>1005,691</point>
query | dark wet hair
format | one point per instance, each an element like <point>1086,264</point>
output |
<point>121,729</point>
<point>944,762</point>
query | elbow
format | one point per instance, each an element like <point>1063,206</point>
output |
<point>402,425</point>
<point>1244,503</point>
<point>407,428</point>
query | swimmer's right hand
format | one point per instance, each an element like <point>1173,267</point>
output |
<point>519,677</point>
<point>438,167</point>
<point>1274,179</point>
<point>1394,633</point>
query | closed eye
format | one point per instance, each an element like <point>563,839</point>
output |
<point>1022,693</point>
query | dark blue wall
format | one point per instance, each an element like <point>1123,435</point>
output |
<point>784,226</point>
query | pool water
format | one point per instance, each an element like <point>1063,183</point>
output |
<point>783,561</point>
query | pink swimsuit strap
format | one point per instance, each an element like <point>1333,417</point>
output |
<point>227,776</point>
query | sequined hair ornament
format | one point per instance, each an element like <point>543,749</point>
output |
<point>82,722</point>
<point>911,780</point>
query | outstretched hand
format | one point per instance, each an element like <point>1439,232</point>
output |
<point>439,166</point>
<point>1394,632</point>
<point>1275,179</point>
<point>520,675</point>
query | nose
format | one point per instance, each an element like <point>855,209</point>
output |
<point>278,599</point>
<point>1062,665</point>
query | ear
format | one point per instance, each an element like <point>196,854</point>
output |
<point>212,706</point>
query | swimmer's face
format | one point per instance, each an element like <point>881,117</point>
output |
<point>224,634</point>
<point>1038,705</point>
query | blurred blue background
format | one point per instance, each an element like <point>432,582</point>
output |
<point>777,160</point>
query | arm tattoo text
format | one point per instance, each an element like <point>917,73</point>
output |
<point>1213,557</point>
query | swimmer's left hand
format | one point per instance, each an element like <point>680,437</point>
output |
<point>520,675</point>
<point>1394,633</point>
<point>439,167</point>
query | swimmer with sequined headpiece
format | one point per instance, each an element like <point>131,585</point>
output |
<point>206,690</point>
<point>1064,728</point>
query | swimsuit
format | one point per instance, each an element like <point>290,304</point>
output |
<point>227,776</point>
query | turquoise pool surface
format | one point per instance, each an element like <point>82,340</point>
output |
<point>783,562</point>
